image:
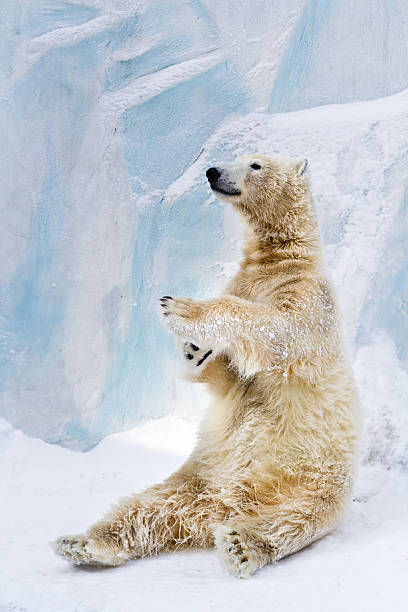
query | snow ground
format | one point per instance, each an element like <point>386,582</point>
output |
<point>49,491</point>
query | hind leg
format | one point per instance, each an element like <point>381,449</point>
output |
<point>247,543</point>
<point>175,514</point>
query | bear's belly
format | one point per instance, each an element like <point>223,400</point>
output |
<point>274,429</point>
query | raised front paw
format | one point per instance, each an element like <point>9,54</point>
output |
<point>183,317</point>
<point>184,308</point>
<point>196,356</point>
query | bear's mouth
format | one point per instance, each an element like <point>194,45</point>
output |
<point>224,192</point>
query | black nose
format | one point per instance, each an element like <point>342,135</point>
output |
<point>213,174</point>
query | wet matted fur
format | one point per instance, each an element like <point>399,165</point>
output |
<point>274,464</point>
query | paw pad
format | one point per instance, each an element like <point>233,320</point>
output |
<point>235,552</point>
<point>195,355</point>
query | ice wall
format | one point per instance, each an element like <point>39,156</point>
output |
<point>341,51</point>
<point>110,112</point>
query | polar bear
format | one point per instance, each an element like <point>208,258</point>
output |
<point>273,467</point>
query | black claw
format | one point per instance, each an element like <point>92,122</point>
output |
<point>166,297</point>
<point>233,532</point>
<point>204,357</point>
<point>244,559</point>
<point>194,347</point>
<point>189,356</point>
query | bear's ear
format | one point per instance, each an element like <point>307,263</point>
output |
<point>301,167</point>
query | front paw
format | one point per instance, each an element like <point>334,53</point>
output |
<point>196,356</point>
<point>180,307</point>
<point>184,317</point>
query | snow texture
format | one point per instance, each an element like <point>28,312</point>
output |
<point>111,111</point>
<point>48,491</point>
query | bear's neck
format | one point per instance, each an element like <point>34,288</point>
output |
<point>295,236</point>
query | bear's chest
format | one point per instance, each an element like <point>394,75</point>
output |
<point>254,290</point>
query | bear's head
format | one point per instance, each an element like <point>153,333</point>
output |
<point>267,190</point>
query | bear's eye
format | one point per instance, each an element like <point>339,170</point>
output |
<point>256,166</point>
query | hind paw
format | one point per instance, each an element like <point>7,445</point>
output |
<point>83,550</point>
<point>234,552</point>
